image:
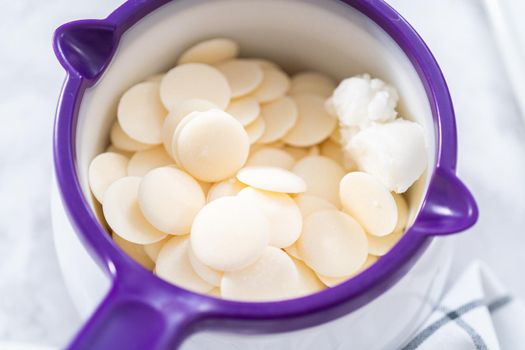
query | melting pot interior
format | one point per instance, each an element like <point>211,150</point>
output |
<point>327,36</point>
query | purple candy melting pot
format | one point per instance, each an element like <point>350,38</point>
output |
<point>143,312</point>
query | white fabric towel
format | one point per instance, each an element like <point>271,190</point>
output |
<point>476,313</point>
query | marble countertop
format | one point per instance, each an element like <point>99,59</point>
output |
<point>34,304</point>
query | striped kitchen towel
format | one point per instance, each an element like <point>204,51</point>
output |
<point>477,313</point>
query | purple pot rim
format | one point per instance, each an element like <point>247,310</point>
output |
<point>333,302</point>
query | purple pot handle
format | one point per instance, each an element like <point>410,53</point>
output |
<point>130,319</point>
<point>85,47</point>
<point>138,312</point>
<point>448,208</point>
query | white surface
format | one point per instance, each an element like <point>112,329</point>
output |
<point>34,306</point>
<point>504,32</point>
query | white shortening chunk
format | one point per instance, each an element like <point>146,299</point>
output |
<point>360,100</point>
<point>394,153</point>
